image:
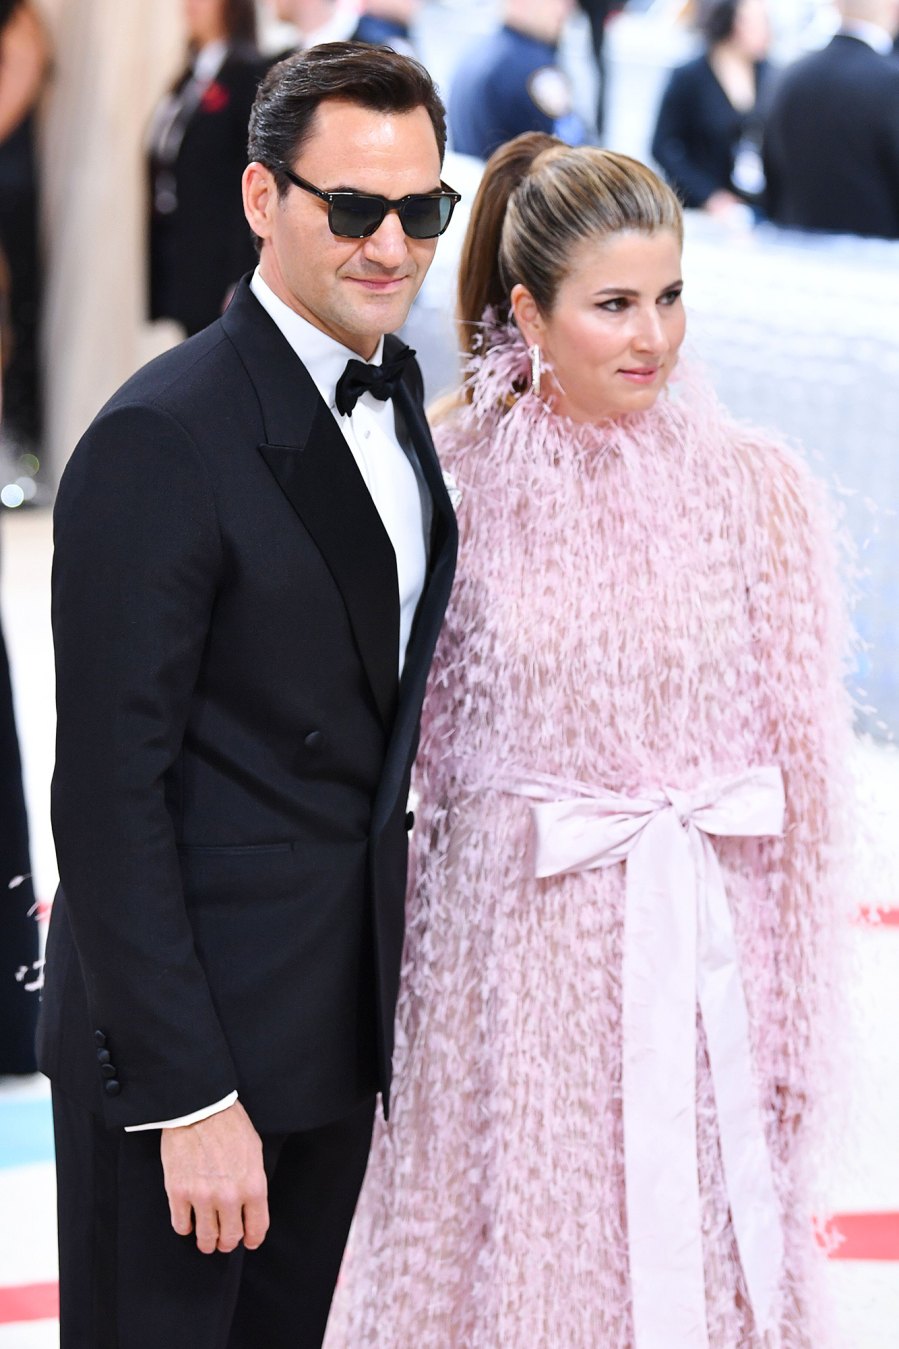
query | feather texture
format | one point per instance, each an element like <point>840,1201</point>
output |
<point>650,601</point>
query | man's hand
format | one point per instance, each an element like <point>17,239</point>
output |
<point>215,1181</point>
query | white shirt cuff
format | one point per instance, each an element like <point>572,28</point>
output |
<point>194,1118</point>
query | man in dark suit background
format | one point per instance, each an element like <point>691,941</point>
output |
<point>510,81</point>
<point>254,551</point>
<point>831,146</point>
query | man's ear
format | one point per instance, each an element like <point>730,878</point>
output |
<point>526,314</point>
<point>260,198</point>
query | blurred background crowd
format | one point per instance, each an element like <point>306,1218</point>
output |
<point>122,133</point>
<point>122,141</point>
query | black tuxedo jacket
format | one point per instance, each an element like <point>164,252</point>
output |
<point>234,751</point>
<point>832,142</point>
<point>202,248</point>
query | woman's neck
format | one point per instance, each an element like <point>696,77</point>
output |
<point>735,72</point>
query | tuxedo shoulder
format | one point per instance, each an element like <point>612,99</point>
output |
<point>185,380</point>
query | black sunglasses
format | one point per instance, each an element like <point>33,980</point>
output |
<point>356,215</point>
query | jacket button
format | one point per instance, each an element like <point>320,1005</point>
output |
<point>313,740</point>
<point>104,1056</point>
<point>99,1039</point>
<point>108,1069</point>
<point>112,1087</point>
<point>410,821</point>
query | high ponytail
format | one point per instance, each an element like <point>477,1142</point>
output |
<point>481,282</point>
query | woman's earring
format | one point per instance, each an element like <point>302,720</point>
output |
<point>534,353</point>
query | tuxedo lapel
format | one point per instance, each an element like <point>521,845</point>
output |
<point>431,608</point>
<point>313,465</point>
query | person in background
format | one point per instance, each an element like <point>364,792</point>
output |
<point>511,82</point>
<point>598,12</point>
<point>19,964</point>
<point>619,980</point>
<point>382,23</point>
<point>831,144</point>
<point>24,63</point>
<point>708,134</point>
<point>199,243</point>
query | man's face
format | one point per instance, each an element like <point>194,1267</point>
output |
<point>356,290</point>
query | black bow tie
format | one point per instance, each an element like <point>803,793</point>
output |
<point>380,380</point>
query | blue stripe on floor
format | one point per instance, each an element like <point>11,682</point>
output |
<point>26,1132</point>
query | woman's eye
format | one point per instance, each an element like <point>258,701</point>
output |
<point>615,306</point>
<point>671,296</point>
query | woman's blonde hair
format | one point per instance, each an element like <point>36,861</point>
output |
<point>538,201</point>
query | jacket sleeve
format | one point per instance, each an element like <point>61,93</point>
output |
<point>674,138</point>
<point>137,563</point>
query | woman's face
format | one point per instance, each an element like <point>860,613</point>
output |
<point>752,29</point>
<point>617,325</point>
<point>205,21</point>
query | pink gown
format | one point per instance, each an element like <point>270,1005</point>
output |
<point>645,606</point>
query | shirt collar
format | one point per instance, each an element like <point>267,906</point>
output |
<point>209,60</point>
<point>870,33</point>
<point>323,357</point>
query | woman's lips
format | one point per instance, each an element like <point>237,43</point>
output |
<point>642,374</point>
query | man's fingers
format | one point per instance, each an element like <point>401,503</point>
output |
<point>230,1221</point>
<point>215,1168</point>
<point>182,1216</point>
<point>206,1225</point>
<point>255,1222</point>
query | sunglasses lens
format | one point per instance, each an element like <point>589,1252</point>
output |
<point>424,217</point>
<point>355,217</point>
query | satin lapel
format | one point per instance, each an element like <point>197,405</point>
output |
<point>444,520</point>
<point>315,469</point>
<point>431,610</point>
<point>325,488</point>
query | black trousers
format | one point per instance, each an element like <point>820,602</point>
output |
<point>128,1281</point>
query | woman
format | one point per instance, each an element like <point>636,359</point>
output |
<point>200,243</point>
<point>709,128</point>
<point>642,654</point>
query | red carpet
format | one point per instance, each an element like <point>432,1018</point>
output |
<point>865,1236</point>
<point>29,1302</point>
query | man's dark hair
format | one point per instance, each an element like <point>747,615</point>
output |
<point>372,77</point>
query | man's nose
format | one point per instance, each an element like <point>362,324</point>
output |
<point>387,245</point>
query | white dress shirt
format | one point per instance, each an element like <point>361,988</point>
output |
<point>390,477</point>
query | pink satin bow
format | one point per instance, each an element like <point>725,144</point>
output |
<point>679,948</point>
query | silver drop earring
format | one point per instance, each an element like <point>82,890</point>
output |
<point>534,353</point>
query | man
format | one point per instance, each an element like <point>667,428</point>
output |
<point>511,82</point>
<point>381,22</point>
<point>254,553</point>
<point>832,136</point>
